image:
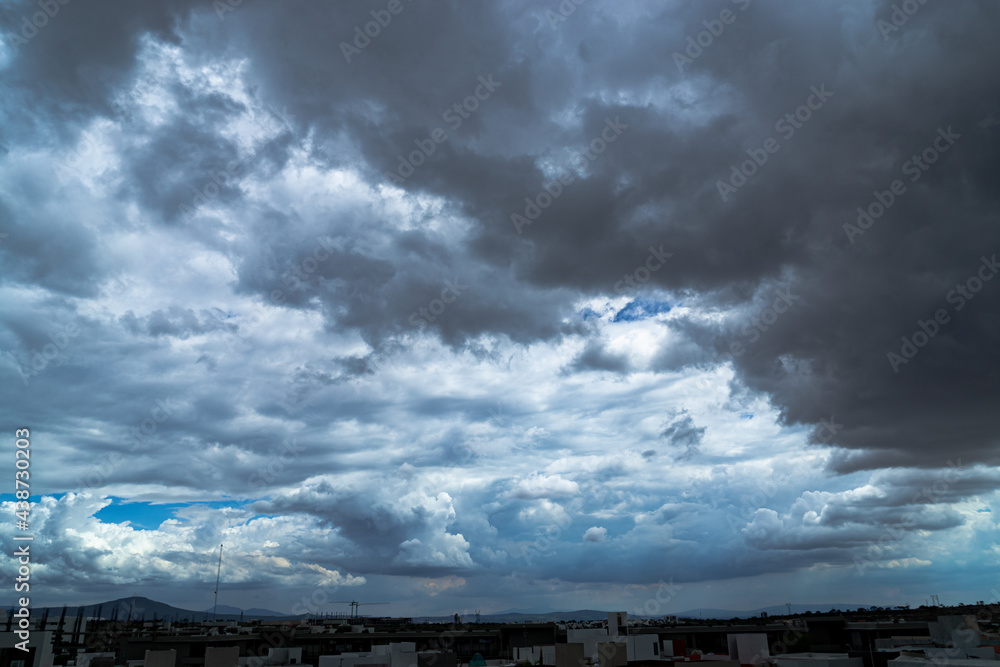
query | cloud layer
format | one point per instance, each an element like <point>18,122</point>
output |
<point>505,304</point>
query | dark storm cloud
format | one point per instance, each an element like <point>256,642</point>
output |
<point>596,357</point>
<point>73,65</point>
<point>894,504</point>
<point>185,164</point>
<point>681,432</point>
<point>658,183</point>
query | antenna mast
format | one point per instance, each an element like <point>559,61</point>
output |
<point>217,575</point>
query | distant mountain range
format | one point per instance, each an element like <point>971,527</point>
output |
<point>523,616</point>
<point>253,611</point>
<point>773,610</point>
<point>144,608</point>
<point>512,616</point>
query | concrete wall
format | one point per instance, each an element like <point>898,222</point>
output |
<point>441,658</point>
<point>817,660</point>
<point>569,655</point>
<point>400,654</point>
<point>39,647</point>
<point>612,654</point>
<point>617,622</point>
<point>284,656</point>
<point>218,656</point>
<point>394,647</point>
<point>161,658</point>
<point>910,661</point>
<point>893,642</point>
<point>748,648</point>
<point>526,654</point>
<point>84,659</point>
<point>961,632</point>
<point>643,647</point>
<point>589,638</point>
<point>984,653</point>
<point>355,660</point>
<point>532,653</point>
<point>403,659</point>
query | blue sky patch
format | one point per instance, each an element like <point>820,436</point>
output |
<point>148,516</point>
<point>641,309</point>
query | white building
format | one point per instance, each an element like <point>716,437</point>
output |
<point>394,654</point>
<point>533,653</point>
<point>589,638</point>
<point>83,659</point>
<point>637,647</point>
<point>276,657</point>
<point>958,633</point>
<point>749,648</point>
<point>910,660</point>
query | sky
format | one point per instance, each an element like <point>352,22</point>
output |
<point>488,305</point>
